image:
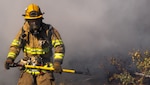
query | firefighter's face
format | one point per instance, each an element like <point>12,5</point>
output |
<point>35,24</point>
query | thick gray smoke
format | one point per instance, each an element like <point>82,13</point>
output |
<point>91,30</point>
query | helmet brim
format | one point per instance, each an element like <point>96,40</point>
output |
<point>28,17</point>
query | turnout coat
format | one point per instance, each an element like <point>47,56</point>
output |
<point>47,44</point>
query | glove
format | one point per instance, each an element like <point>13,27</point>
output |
<point>8,62</point>
<point>57,67</point>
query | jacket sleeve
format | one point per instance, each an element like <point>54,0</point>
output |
<point>14,49</point>
<point>58,45</point>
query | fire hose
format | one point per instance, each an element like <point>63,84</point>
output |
<point>73,71</point>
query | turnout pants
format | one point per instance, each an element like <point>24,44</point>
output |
<point>29,79</point>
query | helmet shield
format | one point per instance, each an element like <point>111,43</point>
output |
<point>33,14</point>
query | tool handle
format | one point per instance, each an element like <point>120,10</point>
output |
<point>49,68</point>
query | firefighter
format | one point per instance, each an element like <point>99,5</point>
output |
<point>41,44</point>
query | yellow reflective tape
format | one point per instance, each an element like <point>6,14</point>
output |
<point>36,50</point>
<point>58,56</point>
<point>48,65</point>
<point>57,42</point>
<point>12,55</point>
<point>33,71</point>
<point>51,65</point>
<point>15,42</point>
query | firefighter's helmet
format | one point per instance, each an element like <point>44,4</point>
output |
<point>33,12</point>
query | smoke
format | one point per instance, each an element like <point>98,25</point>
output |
<point>91,30</point>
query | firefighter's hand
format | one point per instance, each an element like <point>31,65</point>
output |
<point>8,62</point>
<point>57,67</point>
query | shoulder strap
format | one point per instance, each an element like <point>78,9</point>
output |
<point>22,39</point>
<point>48,29</point>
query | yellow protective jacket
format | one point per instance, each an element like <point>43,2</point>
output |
<point>48,43</point>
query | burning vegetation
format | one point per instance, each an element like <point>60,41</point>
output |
<point>136,72</point>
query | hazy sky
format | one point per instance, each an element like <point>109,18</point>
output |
<point>90,29</point>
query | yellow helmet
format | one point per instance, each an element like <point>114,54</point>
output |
<point>33,12</point>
